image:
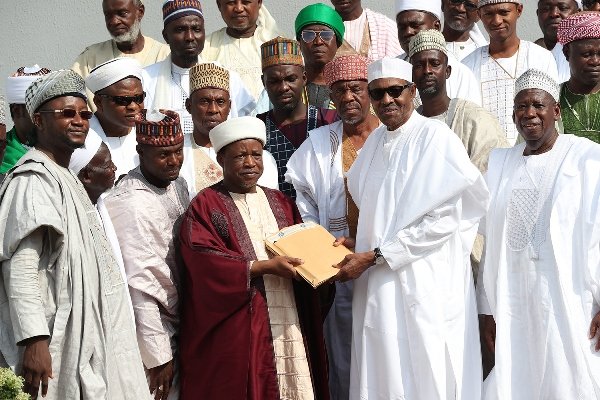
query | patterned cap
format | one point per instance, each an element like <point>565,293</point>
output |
<point>2,112</point>
<point>321,14</point>
<point>430,39</point>
<point>280,51</point>
<point>59,83</point>
<point>346,68</point>
<point>483,3</point>
<point>158,128</point>
<point>17,83</point>
<point>433,7</point>
<point>582,25</point>
<point>208,75</point>
<point>174,9</point>
<point>536,79</point>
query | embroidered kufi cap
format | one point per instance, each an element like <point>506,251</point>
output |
<point>55,84</point>
<point>112,72</point>
<point>208,75</point>
<point>235,129</point>
<point>82,156</point>
<point>483,3</point>
<point>280,51</point>
<point>2,112</point>
<point>536,79</point>
<point>430,39</point>
<point>389,67</point>
<point>433,7</point>
<point>346,68</point>
<point>579,26</point>
<point>160,128</point>
<point>17,83</point>
<point>174,9</point>
<point>321,14</point>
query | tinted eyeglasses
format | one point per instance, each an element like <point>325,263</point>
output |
<point>468,5</point>
<point>70,113</point>
<point>125,100</point>
<point>308,35</point>
<point>393,91</point>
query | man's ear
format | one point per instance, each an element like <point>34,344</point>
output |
<point>139,150</point>
<point>448,71</point>
<point>188,104</point>
<point>164,35</point>
<point>98,103</point>
<point>220,158</point>
<point>37,120</point>
<point>84,176</point>
<point>141,10</point>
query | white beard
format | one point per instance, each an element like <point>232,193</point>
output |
<point>131,36</point>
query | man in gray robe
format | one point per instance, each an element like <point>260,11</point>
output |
<point>65,324</point>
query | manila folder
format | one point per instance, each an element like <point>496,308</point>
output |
<point>314,245</point>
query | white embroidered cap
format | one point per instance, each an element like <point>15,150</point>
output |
<point>430,39</point>
<point>431,6</point>
<point>483,3</point>
<point>389,67</point>
<point>536,79</point>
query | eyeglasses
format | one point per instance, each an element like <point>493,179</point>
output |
<point>309,35</point>
<point>468,5</point>
<point>125,100</point>
<point>393,91</point>
<point>70,113</point>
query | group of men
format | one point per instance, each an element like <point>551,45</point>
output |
<point>463,174</point>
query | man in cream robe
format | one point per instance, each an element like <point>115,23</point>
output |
<point>540,292</point>
<point>316,169</point>
<point>60,289</point>
<point>414,316</point>
<point>242,54</point>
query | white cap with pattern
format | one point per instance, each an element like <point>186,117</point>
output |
<point>483,3</point>
<point>536,79</point>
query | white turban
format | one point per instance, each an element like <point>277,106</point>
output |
<point>111,72</point>
<point>390,68</point>
<point>431,6</point>
<point>17,84</point>
<point>235,129</point>
<point>82,156</point>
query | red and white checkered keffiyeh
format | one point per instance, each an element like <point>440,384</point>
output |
<point>346,68</point>
<point>583,25</point>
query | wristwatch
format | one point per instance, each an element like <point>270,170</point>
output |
<point>378,256</point>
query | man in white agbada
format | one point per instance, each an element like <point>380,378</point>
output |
<point>167,83</point>
<point>209,105</point>
<point>146,208</point>
<point>461,31</point>
<point>499,64</point>
<point>123,19</point>
<point>541,276</point>
<point>316,169</point>
<point>413,16</point>
<point>66,326</point>
<point>549,14</point>
<point>237,46</point>
<point>414,328</point>
<point>119,97</point>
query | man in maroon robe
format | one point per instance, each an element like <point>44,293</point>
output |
<point>248,329</point>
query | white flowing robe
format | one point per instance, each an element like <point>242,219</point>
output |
<point>415,333</point>
<point>544,296</point>
<point>122,149</point>
<point>74,291</point>
<point>564,69</point>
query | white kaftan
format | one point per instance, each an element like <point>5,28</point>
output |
<point>415,333</point>
<point>541,276</point>
<point>60,279</point>
<point>564,70</point>
<point>497,79</point>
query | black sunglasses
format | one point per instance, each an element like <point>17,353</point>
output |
<point>70,113</point>
<point>125,100</point>
<point>468,5</point>
<point>393,91</point>
<point>309,35</point>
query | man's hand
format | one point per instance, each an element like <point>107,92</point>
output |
<point>346,241</point>
<point>353,265</point>
<point>489,332</point>
<point>161,378</point>
<point>37,366</point>
<point>282,266</point>
<point>595,330</point>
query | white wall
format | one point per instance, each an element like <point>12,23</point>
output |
<point>52,33</point>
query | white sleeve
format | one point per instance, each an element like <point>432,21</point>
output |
<point>270,177</point>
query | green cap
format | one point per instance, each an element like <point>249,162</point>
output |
<point>320,14</point>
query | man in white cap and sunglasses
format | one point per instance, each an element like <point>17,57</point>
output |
<point>119,99</point>
<point>69,331</point>
<point>414,333</point>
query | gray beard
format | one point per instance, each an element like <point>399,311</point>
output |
<point>131,36</point>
